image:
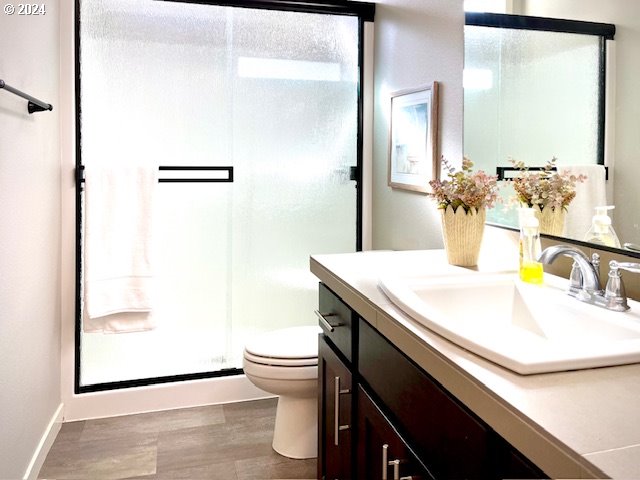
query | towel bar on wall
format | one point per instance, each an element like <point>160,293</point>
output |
<point>33,105</point>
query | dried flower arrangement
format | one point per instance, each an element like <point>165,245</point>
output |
<point>464,188</point>
<point>547,187</point>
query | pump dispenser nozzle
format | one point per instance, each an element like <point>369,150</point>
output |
<point>601,231</point>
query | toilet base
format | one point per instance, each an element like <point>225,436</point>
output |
<point>296,431</point>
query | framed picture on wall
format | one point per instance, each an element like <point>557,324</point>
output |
<point>413,138</point>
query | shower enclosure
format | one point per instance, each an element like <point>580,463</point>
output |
<point>253,117</point>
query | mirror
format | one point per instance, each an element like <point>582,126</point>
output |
<point>567,135</point>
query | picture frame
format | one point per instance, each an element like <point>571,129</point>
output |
<point>413,138</point>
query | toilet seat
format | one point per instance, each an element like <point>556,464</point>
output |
<point>285,354</point>
<point>293,346</point>
<point>274,372</point>
<point>281,362</point>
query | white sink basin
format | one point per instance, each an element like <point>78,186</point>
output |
<point>526,328</point>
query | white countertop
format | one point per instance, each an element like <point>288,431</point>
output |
<point>580,424</point>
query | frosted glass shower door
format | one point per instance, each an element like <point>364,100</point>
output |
<point>271,94</point>
<point>296,121</point>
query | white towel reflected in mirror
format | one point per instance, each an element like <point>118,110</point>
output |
<point>589,194</point>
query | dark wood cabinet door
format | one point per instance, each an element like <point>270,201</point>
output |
<point>446,437</point>
<point>510,463</point>
<point>382,454</point>
<point>335,459</point>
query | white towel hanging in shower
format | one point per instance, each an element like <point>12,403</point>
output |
<point>118,247</point>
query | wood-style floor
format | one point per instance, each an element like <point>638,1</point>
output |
<point>230,442</point>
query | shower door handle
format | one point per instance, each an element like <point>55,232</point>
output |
<point>337,428</point>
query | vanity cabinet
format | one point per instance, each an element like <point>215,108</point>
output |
<point>389,409</point>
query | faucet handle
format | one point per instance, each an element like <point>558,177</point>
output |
<point>614,293</point>
<point>575,279</point>
<point>628,266</point>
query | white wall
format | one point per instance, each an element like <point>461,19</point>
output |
<point>416,42</point>
<point>29,238</point>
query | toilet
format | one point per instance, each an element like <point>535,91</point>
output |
<point>285,362</point>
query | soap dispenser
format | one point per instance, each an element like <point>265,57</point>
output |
<point>601,231</point>
<point>530,268</point>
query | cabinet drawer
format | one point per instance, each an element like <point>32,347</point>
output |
<point>450,441</point>
<point>336,320</point>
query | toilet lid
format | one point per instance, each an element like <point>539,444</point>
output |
<point>287,343</point>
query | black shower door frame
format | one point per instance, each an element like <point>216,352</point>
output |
<point>364,12</point>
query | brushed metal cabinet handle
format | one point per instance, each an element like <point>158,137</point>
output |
<point>385,463</point>
<point>337,428</point>
<point>325,322</point>
<point>336,411</point>
<point>396,469</point>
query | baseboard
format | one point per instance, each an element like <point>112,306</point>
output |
<point>164,396</point>
<point>41,452</point>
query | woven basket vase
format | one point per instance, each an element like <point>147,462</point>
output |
<point>462,232</point>
<point>551,220</point>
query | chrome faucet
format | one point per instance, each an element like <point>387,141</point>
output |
<point>585,281</point>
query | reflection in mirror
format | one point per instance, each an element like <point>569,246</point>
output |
<point>543,135</point>
<point>534,95</point>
